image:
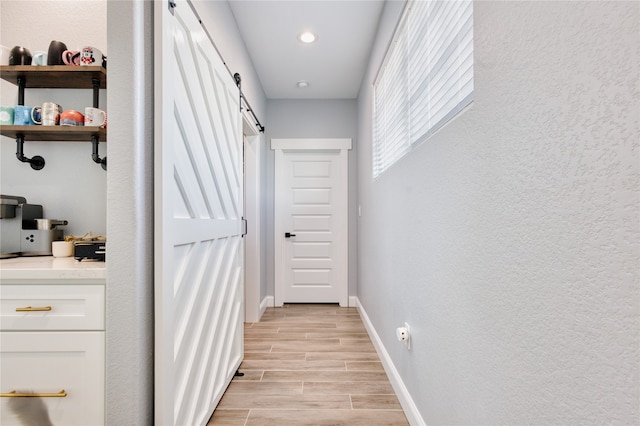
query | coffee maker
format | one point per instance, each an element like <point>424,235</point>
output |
<point>23,231</point>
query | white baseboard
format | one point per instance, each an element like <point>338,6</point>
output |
<point>353,301</point>
<point>409,407</point>
<point>266,302</point>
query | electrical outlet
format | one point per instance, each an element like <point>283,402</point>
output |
<point>404,335</point>
<point>407,342</point>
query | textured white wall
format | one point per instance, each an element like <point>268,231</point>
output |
<point>314,118</point>
<point>130,322</point>
<point>510,239</point>
<point>71,186</point>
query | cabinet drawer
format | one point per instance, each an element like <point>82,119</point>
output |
<point>48,363</point>
<point>51,307</point>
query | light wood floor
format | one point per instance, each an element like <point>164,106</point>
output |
<point>309,365</point>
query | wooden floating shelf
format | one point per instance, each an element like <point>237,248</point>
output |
<point>54,133</point>
<point>55,76</point>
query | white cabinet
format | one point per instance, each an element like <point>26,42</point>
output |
<point>52,344</point>
<point>68,367</point>
<point>51,307</point>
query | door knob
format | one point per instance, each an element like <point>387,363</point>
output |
<point>289,235</point>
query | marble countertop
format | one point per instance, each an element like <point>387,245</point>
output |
<point>39,268</point>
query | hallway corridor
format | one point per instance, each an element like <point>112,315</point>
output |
<point>309,365</point>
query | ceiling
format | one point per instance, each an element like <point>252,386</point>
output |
<point>333,65</point>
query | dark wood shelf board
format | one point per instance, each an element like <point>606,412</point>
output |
<point>55,76</point>
<point>54,133</point>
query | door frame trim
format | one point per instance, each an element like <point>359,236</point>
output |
<point>304,144</point>
<point>253,158</point>
<point>312,144</point>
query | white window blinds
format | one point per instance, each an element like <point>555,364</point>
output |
<point>426,77</point>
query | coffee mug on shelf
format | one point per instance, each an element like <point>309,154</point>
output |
<point>5,52</point>
<point>6,115</point>
<point>39,58</point>
<point>54,54</point>
<point>36,115</point>
<point>71,117</point>
<point>71,57</point>
<point>20,56</point>
<point>95,117</point>
<point>51,114</point>
<point>90,56</point>
<point>22,116</point>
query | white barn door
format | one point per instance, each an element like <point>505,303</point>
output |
<point>198,221</point>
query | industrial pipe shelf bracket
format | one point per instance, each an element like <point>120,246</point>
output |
<point>45,77</point>
<point>36,162</point>
<point>95,141</point>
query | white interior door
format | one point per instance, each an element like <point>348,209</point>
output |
<point>311,220</point>
<point>198,241</point>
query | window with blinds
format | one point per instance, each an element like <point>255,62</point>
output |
<point>426,77</point>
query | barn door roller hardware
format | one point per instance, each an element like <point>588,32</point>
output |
<point>238,80</point>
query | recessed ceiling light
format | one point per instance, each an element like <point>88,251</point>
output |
<point>302,84</point>
<point>307,37</point>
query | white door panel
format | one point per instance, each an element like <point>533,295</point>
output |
<point>311,226</point>
<point>315,250</point>
<point>311,204</point>
<point>199,246</point>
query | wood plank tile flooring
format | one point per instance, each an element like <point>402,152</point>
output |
<point>309,365</point>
